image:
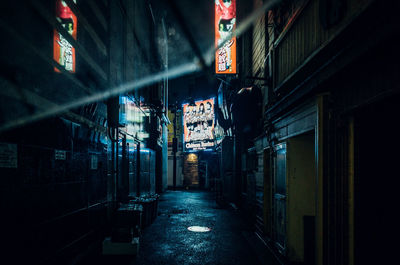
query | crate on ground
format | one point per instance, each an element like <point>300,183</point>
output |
<point>120,248</point>
<point>150,207</point>
<point>128,215</point>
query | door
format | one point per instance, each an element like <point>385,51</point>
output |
<point>280,198</point>
<point>267,198</point>
<point>191,170</point>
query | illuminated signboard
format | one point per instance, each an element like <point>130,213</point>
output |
<point>63,51</point>
<point>198,125</point>
<point>225,24</point>
<point>135,119</point>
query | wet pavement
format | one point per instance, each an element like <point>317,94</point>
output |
<point>168,241</point>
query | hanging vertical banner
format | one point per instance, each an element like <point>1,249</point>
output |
<point>225,24</point>
<point>63,51</point>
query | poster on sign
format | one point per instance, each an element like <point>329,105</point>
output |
<point>63,51</point>
<point>225,25</point>
<point>198,125</point>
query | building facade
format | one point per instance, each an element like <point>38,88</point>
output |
<point>65,175</point>
<point>311,178</point>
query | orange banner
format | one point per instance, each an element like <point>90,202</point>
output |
<point>225,24</point>
<point>63,51</point>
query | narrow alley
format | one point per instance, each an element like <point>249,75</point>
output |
<point>168,240</point>
<point>187,132</point>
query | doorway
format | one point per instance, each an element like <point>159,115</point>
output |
<point>280,198</point>
<point>267,202</point>
<point>191,170</point>
<point>301,183</point>
<point>376,145</point>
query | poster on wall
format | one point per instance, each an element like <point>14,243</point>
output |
<point>198,125</point>
<point>93,162</point>
<point>63,51</point>
<point>225,25</point>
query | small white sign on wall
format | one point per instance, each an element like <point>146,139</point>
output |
<point>93,162</point>
<point>8,155</point>
<point>60,154</point>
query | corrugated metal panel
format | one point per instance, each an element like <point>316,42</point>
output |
<point>306,35</point>
<point>259,46</point>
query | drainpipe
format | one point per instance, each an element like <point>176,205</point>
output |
<point>138,170</point>
<point>174,150</point>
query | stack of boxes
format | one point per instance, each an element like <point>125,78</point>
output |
<point>125,232</point>
<point>128,221</point>
<point>150,207</point>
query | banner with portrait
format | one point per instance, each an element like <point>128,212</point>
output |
<point>198,125</point>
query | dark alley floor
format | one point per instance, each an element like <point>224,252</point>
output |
<point>168,241</point>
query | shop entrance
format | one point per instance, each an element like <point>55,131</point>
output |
<point>191,170</point>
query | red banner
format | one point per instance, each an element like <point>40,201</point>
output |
<point>63,51</point>
<point>225,24</point>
